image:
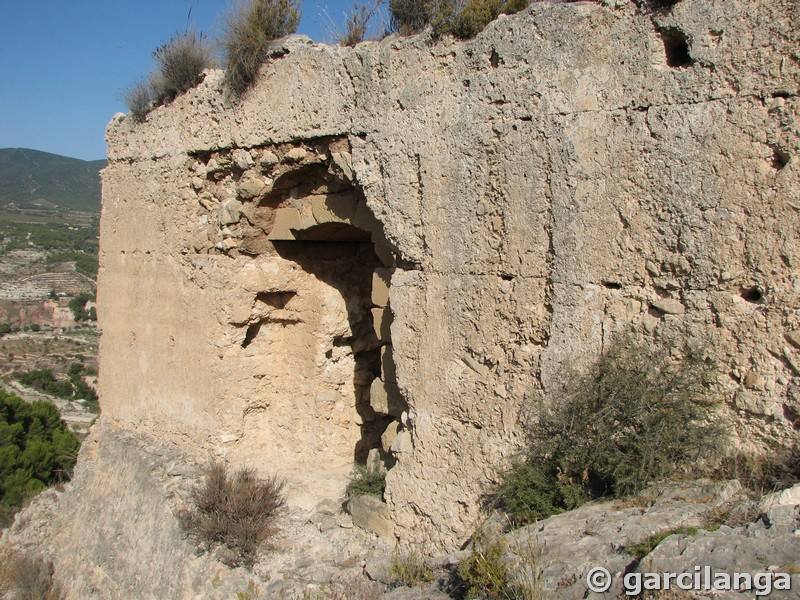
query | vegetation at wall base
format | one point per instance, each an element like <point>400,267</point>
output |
<point>761,474</point>
<point>409,569</point>
<point>364,481</point>
<point>485,572</point>
<point>251,30</point>
<point>36,450</point>
<point>640,414</point>
<point>236,510</point>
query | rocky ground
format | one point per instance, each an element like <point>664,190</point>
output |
<point>320,554</point>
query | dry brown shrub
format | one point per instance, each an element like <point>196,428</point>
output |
<point>27,577</point>
<point>180,62</point>
<point>235,510</point>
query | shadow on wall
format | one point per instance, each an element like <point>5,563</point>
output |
<point>348,267</point>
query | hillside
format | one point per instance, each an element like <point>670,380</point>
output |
<point>35,180</point>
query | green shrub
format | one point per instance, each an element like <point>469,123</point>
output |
<point>45,381</point>
<point>485,571</point>
<point>639,415</point>
<point>78,307</point>
<point>36,450</point>
<point>75,388</point>
<point>236,510</point>
<point>180,63</point>
<point>411,16</point>
<point>475,16</point>
<point>409,569</point>
<point>461,18</point>
<point>641,549</point>
<point>251,29</point>
<point>364,481</point>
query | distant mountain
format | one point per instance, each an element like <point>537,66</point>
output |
<point>34,180</point>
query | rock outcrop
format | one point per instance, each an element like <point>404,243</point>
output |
<point>413,238</point>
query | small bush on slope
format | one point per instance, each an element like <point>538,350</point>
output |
<point>636,417</point>
<point>251,29</point>
<point>237,510</point>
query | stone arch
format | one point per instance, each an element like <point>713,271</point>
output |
<point>325,313</point>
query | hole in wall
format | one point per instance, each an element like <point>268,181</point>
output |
<point>676,47</point>
<point>791,415</point>
<point>494,59</point>
<point>250,335</point>
<point>780,158</point>
<point>752,294</point>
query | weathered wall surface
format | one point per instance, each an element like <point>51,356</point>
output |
<point>571,172</point>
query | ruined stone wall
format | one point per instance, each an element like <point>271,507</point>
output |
<point>572,172</point>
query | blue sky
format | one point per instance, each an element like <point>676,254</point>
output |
<point>66,63</point>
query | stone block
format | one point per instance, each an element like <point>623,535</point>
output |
<point>402,443</point>
<point>344,160</point>
<point>380,286</point>
<point>388,436</point>
<point>252,185</point>
<point>385,398</point>
<point>669,306</point>
<point>377,461</point>
<point>229,212</point>
<point>382,322</point>
<point>286,220</point>
<point>371,514</point>
<point>333,208</point>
